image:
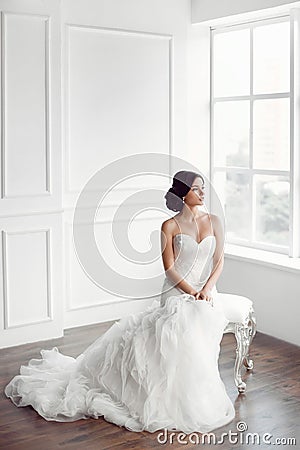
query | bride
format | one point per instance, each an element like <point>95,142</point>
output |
<point>157,368</point>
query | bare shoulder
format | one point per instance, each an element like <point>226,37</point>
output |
<point>215,220</point>
<point>217,225</point>
<point>212,218</point>
<point>169,225</point>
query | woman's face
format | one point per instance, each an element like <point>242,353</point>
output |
<point>195,196</point>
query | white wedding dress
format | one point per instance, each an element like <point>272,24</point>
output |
<point>151,370</point>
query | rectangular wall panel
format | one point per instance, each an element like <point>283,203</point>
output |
<point>27,277</point>
<point>84,292</point>
<point>31,274</point>
<point>25,100</point>
<point>117,98</point>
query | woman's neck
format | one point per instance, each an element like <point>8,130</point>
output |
<point>190,213</point>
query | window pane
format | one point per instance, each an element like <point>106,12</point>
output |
<point>272,208</point>
<point>231,63</point>
<point>271,134</point>
<point>231,133</point>
<point>233,191</point>
<point>271,58</point>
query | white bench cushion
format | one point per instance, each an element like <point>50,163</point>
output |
<point>236,307</point>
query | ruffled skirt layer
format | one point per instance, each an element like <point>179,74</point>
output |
<point>151,370</point>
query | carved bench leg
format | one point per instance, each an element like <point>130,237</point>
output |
<point>242,335</point>
<point>248,363</point>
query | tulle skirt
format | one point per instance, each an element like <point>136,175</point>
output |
<point>151,370</point>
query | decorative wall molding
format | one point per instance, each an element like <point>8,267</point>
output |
<point>70,190</point>
<point>5,194</point>
<point>5,255</point>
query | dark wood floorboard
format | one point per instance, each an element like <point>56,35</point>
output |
<point>270,405</point>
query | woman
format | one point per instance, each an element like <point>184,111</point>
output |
<point>185,195</point>
<point>158,368</point>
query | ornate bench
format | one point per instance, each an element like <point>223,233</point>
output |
<point>242,322</point>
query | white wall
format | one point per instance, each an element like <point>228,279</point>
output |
<point>31,269</point>
<point>43,288</point>
<point>206,10</point>
<point>274,291</point>
<point>124,92</point>
<point>119,89</point>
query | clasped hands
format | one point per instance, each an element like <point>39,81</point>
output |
<point>204,294</point>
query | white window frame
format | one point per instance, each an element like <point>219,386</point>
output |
<point>293,16</point>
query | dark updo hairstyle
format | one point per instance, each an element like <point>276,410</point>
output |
<point>182,182</point>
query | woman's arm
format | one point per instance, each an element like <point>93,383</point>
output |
<point>216,272</point>
<point>167,230</point>
<point>218,258</point>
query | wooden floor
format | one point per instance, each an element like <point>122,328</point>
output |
<point>271,403</point>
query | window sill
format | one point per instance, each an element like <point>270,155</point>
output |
<point>262,257</point>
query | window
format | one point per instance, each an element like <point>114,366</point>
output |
<point>252,140</point>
